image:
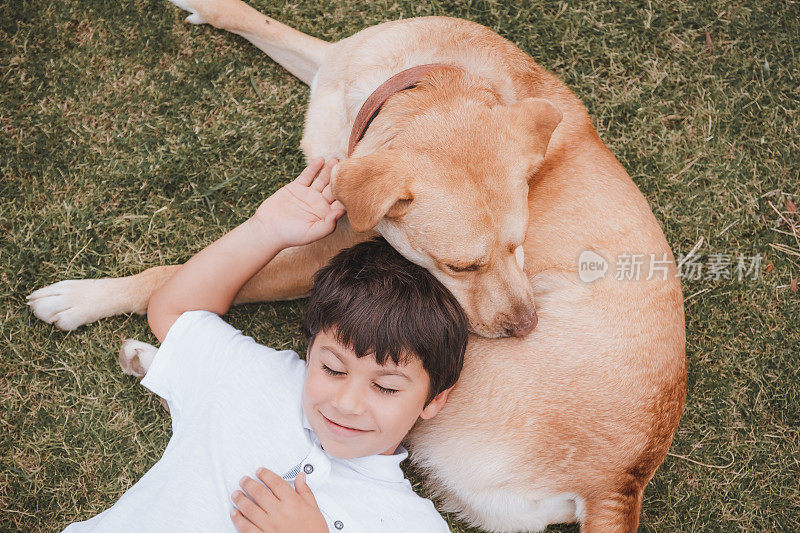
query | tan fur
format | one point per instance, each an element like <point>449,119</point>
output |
<point>568,422</point>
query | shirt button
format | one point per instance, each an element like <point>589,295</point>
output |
<point>338,524</point>
<point>308,469</point>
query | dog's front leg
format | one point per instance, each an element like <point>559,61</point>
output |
<point>72,303</point>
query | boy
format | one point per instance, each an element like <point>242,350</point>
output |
<point>386,345</point>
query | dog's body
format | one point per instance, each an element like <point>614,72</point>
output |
<point>567,422</point>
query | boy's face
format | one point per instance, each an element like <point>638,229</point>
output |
<point>358,407</point>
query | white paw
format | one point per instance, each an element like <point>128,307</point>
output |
<point>73,303</point>
<point>135,357</point>
<point>191,7</point>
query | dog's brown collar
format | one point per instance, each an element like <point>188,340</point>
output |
<point>399,82</point>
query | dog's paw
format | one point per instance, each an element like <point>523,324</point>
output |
<point>72,303</point>
<point>192,6</point>
<point>135,357</point>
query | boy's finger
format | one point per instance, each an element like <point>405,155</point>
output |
<point>258,492</point>
<point>330,222</point>
<point>302,488</point>
<point>338,206</point>
<point>332,217</point>
<point>327,193</point>
<point>324,177</point>
<point>310,172</point>
<point>279,487</point>
<point>243,525</point>
<point>250,510</point>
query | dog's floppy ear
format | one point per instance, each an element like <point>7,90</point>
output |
<point>371,188</point>
<point>536,119</point>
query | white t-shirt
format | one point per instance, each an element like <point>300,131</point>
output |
<point>236,406</point>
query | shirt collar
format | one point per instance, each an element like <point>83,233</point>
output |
<point>380,467</point>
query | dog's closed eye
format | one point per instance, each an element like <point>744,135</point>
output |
<point>471,268</point>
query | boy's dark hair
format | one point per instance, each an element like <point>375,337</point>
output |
<point>378,302</point>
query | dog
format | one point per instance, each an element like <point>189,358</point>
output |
<point>488,172</point>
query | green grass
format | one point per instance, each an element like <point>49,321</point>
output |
<point>128,139</point>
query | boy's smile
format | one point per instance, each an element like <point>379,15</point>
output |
<point>358,407</point>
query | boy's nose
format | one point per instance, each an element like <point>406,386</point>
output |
<point>348,399</point>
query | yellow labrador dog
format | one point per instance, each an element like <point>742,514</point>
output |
<point>486,170</point>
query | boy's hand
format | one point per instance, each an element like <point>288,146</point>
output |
<point>278,507</point>
<point>304,210</point>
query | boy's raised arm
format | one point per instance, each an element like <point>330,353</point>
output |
<point>298,213</point>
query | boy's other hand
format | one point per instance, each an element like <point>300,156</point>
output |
<point>276,507</point>
<point>304,210</point>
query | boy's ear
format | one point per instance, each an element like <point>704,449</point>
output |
<point>435,405</point>
<point>371,188</point>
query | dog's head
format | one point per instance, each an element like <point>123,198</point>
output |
<point>448,189</point>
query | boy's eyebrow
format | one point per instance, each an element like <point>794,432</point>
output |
<point>384,372</point>
<point>393,373</point>
<point>334,351</point>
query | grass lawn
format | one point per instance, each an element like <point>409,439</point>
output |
<point>129,139</point>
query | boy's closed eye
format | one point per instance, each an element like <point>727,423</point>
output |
<point>332,372</point>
